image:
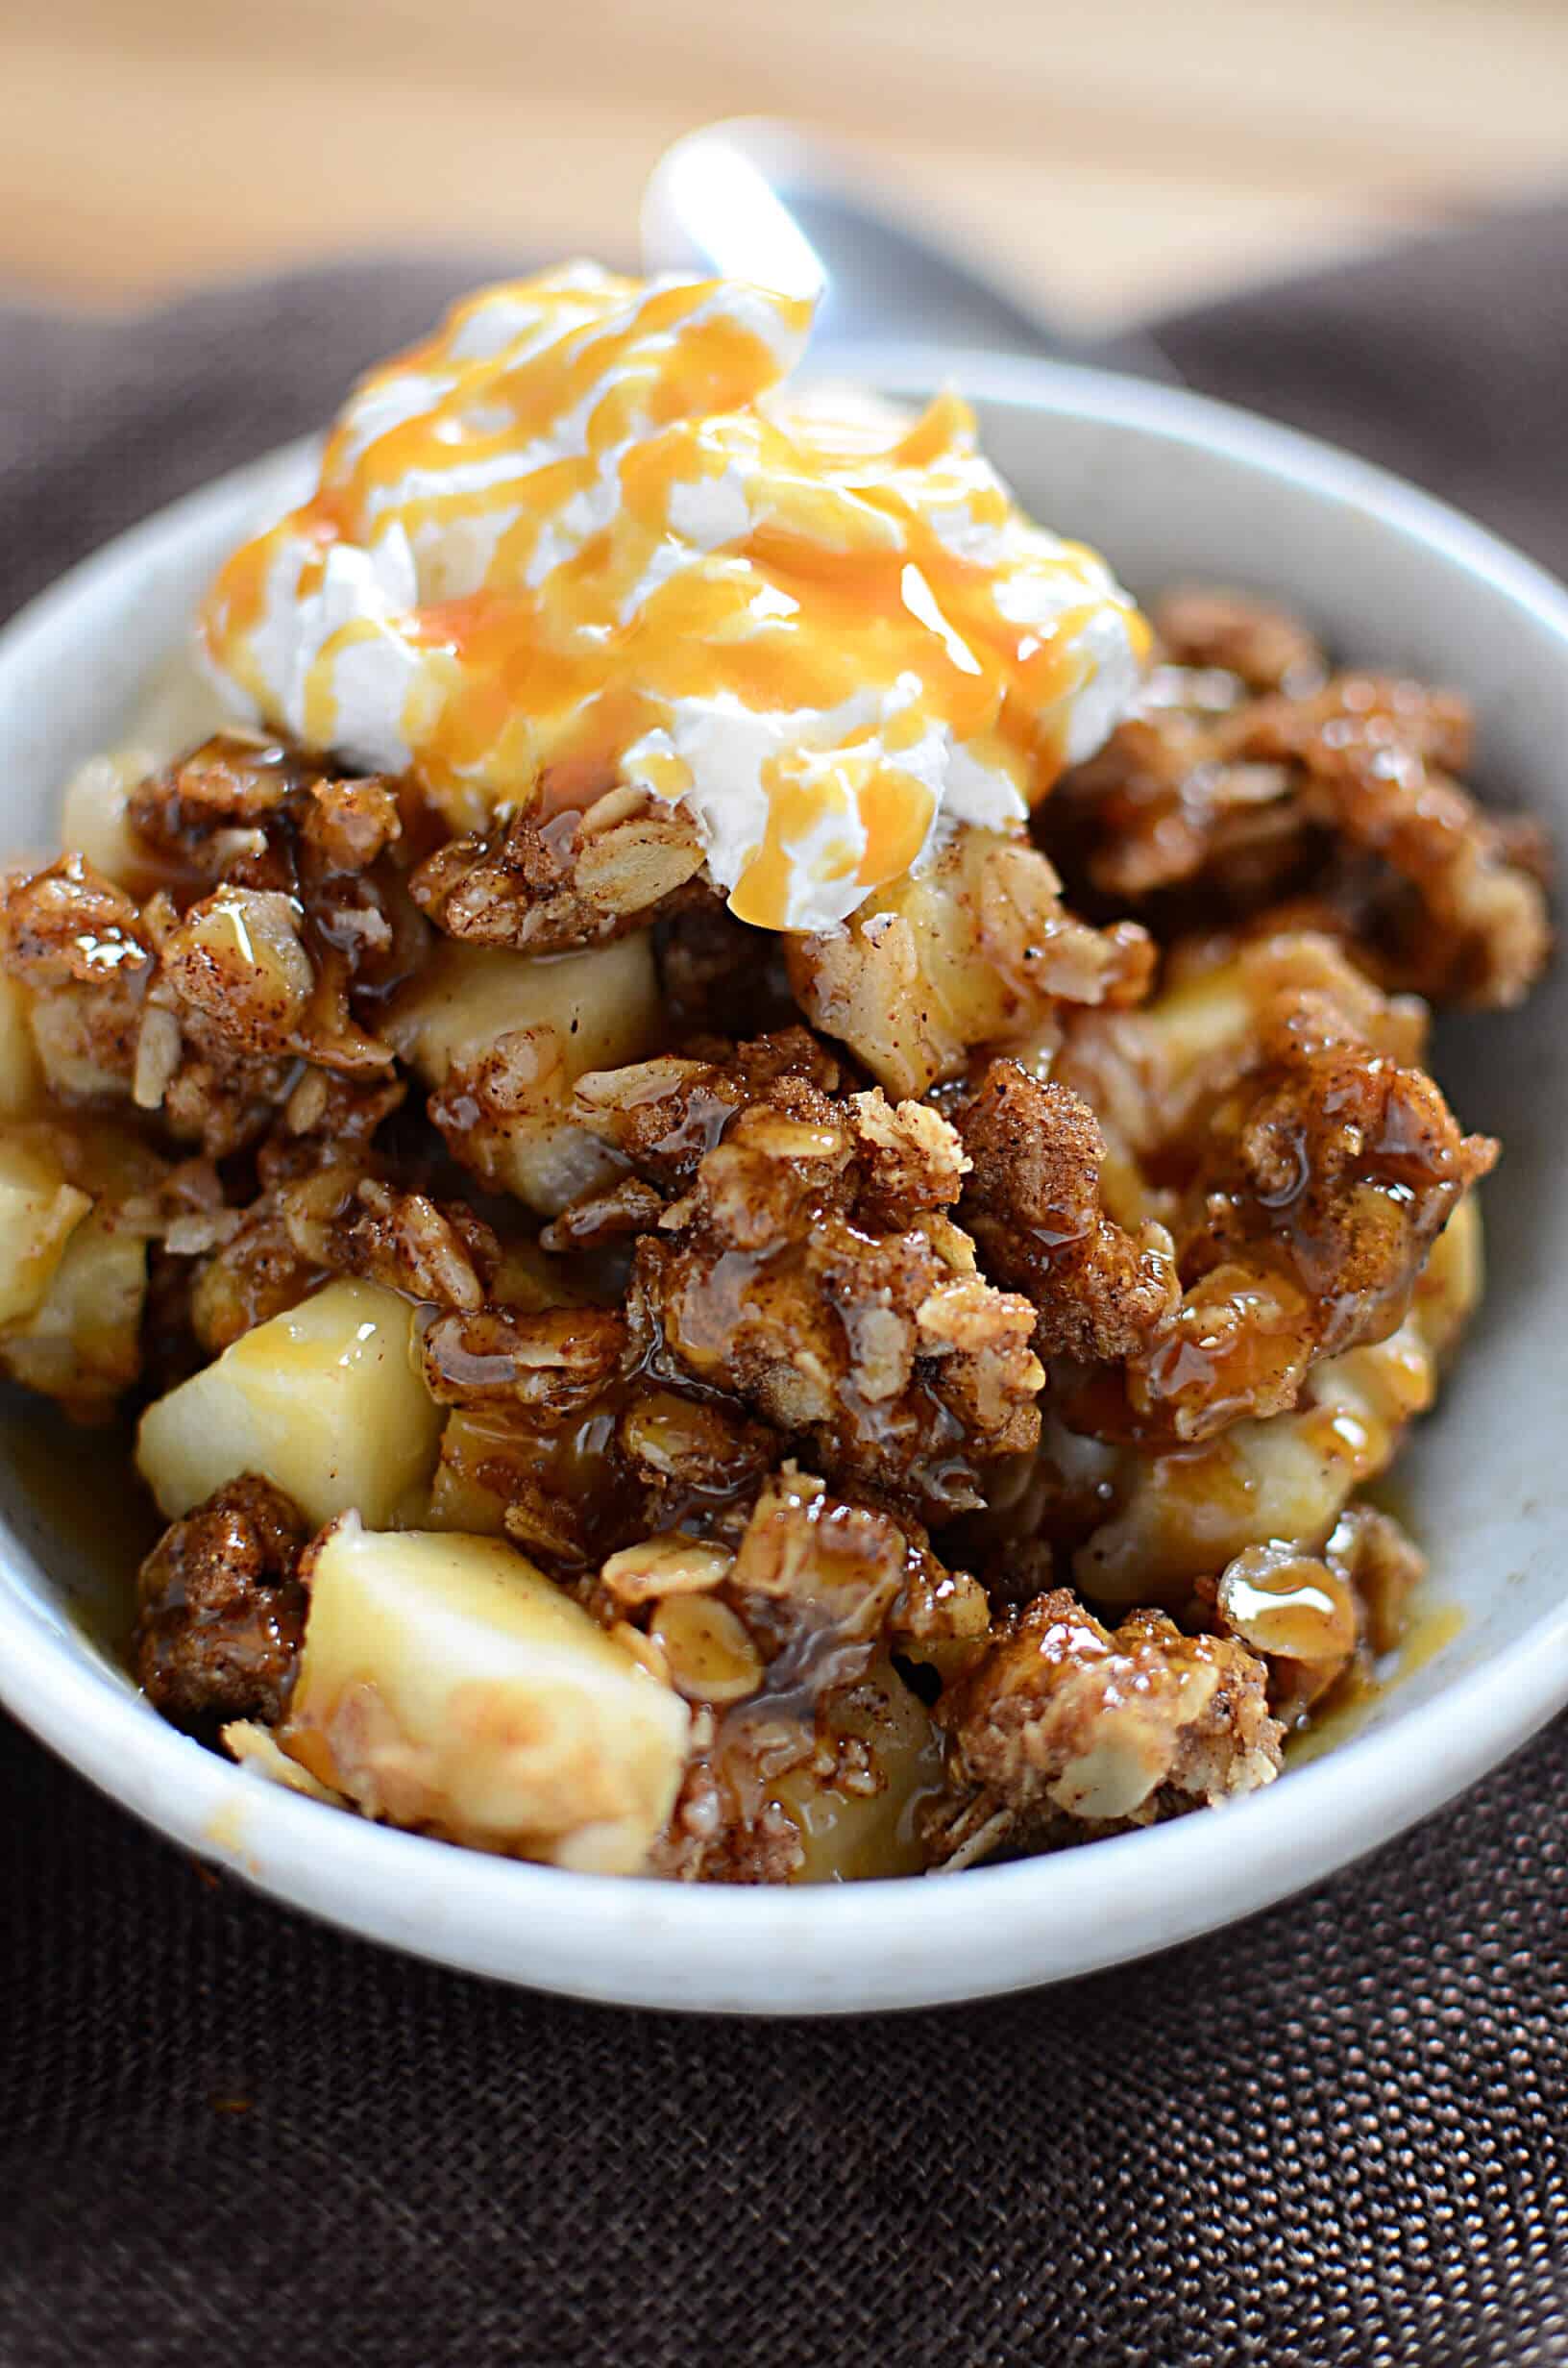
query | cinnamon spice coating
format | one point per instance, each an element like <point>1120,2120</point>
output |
<point>221,1612</point>
<point>946,1351</point>
<point>1034,1206</point>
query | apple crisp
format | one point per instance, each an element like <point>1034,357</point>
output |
<point>649,1392</point>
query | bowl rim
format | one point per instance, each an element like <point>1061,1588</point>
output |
<point>886,1943</point>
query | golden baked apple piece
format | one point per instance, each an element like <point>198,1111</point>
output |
<point>447,1684</point>
<point>21,1075</point>
<point>81,1344</point>
<point>325,1401</point>
<point>976,948</point>
<point>856,1802</point>
<point>78,1198</point>
<point>38,1213</point>
<point>503,1038</point>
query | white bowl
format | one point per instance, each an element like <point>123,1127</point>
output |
<point>1169,485</point>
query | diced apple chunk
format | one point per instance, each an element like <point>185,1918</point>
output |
<point>468,1492</point>
<point>21,1075</point>
<point>95,819</point>
<point>579,1011</point>
<point>38,1213</point>
<point>496,1464</point>
<point>180,706</point>
<point>325,1401</point>
<point>602,1003</point>
<point>82,1343</point>
<point>446,1684</point>
<point>868,1826</point>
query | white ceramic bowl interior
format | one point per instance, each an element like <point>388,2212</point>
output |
<point>1169,485</point>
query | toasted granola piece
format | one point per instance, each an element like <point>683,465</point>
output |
<point>562,1491</point>
<point>263,815</point>
<point>664,1115</point>
<point>348,826</point>
<point>837,1562</point>
<point>915,1163</point>
<point>238,973</point>
<point>325,1215</point>
<point>191,1208</point>
<point>1204,625</point>
<point>1152,1076</point>
<point>209,809</point>
<point>1207,804</point>
<point>68,926</point>
<point>328,1121</point>
<point>203,1015</point>
<point>784,1802</point>
<point>256,1273</point>
<point>1467,924</point>
<point>550,884</point>
<point>976,948</point>
<point>235,961</point>
<point>707,1840</point>
<point>625,1208</point>
<point>1064,1730</point>
<point>1159,811</point>
<point>771,1278</point>
<point>808,1748</point>
<point>357,1224</point>
<point>290,906</point>
<point>670,1563</point>
<point>1033,1205</point>
<point>690,1452</point>
<point>222,1611</point>
<point>258,1748</point>
<point>554,1363</point>
<point>1328,1174</point>
<point>1201,786</point>
<point>554,1442</point>
<point>259,814</point>
<point>211,1092</point>
<point>1267,1108</point>
<point>1384,1566</point>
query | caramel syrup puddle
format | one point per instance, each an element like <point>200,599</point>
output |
<point>1349,1703</point>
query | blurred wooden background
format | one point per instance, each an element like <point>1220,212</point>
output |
<point>1111,156</point>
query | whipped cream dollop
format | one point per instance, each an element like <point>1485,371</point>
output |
<point>585,534</point>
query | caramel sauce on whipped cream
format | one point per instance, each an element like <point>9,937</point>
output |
<point>585,533</point>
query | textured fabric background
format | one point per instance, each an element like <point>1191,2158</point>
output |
<point>1336,2137</point>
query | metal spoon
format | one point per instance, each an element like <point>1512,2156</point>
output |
<point>756,198</point>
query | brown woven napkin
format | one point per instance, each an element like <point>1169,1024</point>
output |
<point>1335,2135</point>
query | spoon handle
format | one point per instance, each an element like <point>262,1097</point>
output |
<point>755,198</point>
